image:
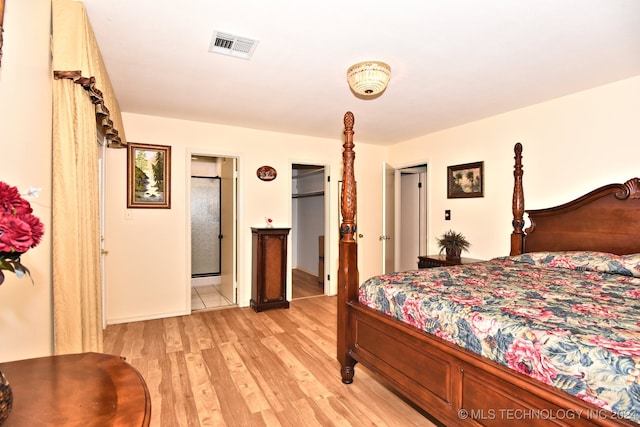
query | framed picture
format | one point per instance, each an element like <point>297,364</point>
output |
<point>1,24</point>
<point>466,180</point>
<point>148,176</point>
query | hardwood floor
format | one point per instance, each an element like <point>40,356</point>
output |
<point>304,285</point>
<point>236,367</point>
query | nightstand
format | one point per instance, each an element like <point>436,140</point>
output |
<point>429,261</point>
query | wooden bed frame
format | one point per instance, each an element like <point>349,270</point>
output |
<point>454,385</point>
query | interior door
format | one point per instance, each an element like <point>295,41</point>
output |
<point>388,218</point>
<point>102,147</point>
<point>228,193</point>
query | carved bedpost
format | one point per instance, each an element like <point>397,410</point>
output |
<point>348,254</point>
<point>517,205</point>
<point>348,197</point>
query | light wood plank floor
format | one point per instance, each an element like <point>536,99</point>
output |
<point>304,285</point>
<point>235,367</point>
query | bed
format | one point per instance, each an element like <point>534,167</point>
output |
<point>492,371</point>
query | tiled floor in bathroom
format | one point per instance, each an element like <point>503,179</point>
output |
<point>207,296</point>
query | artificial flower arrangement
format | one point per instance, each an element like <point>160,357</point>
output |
<point>20,230</point>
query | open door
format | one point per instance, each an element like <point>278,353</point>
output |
<point>102,155</point>
<point>388,218</point>
<point>228,281</point>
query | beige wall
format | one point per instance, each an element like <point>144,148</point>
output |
<point>571,145</point>
<point>563,141</point>
<point>148,263</point>
<point>25,144</point>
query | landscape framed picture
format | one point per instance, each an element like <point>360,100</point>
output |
<point>148,176</point>
<point>466,180</point>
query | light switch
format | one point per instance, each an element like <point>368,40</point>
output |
<point>447,215</point>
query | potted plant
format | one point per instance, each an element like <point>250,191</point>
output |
<point>453,243</point>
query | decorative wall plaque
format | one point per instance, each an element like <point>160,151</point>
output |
<point>266,173</point>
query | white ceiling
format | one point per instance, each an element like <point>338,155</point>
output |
<point>452,61</point>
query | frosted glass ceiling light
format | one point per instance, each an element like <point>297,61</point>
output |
<point>369,78</point>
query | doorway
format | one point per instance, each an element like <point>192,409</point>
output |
<point>308,274</point>
<point>412,230</point>
<point>213,199</point>
<point>404,233</point>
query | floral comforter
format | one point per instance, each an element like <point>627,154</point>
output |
<point>568,319</point>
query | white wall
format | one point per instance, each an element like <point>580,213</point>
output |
<point>147,265</point>
<point>25,141</point>
<point>571,145</point>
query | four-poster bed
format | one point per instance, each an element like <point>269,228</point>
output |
<point>459,385</point>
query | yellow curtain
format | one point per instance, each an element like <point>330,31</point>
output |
<point>77,294</point>
<point>82,100</point>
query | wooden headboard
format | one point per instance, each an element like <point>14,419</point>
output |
<point>606,219</point>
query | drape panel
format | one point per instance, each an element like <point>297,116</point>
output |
<point>77,294</point>
<point>82,99</point>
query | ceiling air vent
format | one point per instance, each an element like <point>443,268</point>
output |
<point>229,44</point>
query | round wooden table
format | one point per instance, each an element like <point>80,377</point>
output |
<point>87,389</point>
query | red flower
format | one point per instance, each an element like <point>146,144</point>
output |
<point>11,203</point>
<point>20,230</point>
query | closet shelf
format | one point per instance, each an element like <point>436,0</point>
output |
<point>308,173</point>
<point>309,194</point>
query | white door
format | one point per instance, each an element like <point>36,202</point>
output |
<point>388,219</point>
<point>228,192</point>
<point>102,148</point>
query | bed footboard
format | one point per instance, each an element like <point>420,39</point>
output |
<point>456,386</point>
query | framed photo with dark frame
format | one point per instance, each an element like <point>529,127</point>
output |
<point>466,180</point>
<point>148,176</point>
<point>1,26</point>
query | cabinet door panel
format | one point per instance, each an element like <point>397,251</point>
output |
<point>273,272</point>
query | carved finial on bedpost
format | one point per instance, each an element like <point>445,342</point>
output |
<point>517,206</point>
<point>348,196</point>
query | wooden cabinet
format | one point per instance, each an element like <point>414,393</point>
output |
<point>269,268</point>
<point>429,261</point>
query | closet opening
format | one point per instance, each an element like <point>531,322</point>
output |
<point>412,217</point>
<point>308,275</point>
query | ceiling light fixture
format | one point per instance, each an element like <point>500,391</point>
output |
<point>369,78</point>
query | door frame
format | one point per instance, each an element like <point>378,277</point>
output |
<point>237,267</point>
<point>398,202</point>
<point>326,284</point>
